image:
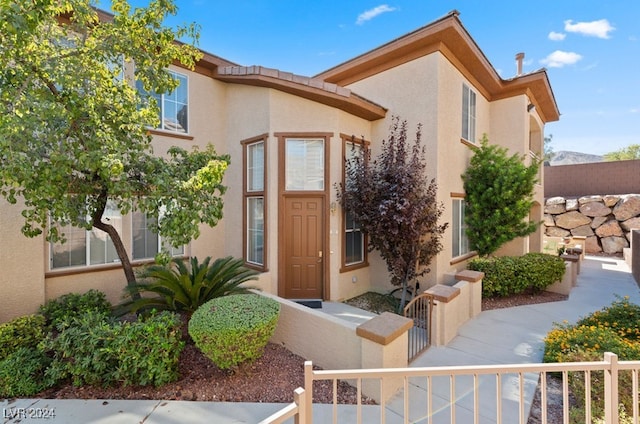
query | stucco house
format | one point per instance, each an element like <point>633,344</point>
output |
<point>288,136</point>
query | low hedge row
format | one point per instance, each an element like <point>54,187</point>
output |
<point>509,275</point>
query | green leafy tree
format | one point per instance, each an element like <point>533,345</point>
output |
<point>499,196</point>
<point>74,129</point>
<point>630,152</point>
<point>396,205</point>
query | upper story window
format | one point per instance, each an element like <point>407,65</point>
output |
<point>173,106</point>
<point>468,114</point>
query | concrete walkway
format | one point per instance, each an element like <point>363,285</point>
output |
<point>504,336</point>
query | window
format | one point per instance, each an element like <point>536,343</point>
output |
<point>173,113</point>
<point>254,202</point>
<point>147,243</point>
<point>459,228</point>
<point>86,247</point>
<point>354,240</point>
<point>304,160</point>
<point>468,114</point>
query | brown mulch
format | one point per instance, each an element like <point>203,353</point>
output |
<point>521,299</point>
<point>272,378</point>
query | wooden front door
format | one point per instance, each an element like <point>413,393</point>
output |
<point>303,247</point>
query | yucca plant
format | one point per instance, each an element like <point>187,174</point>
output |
<point>182,288</point>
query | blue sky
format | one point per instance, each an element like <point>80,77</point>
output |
<point>591,49</point>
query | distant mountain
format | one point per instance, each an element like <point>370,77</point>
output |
<point>571,158</point>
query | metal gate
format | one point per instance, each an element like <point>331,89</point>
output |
<point>419,310</point>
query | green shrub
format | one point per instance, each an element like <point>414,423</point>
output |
<point>508,275</point>
<point>22,373</point>
<point>97,350</point>
<point>26,331</point>
<point>59,312</point>
<point>178,287</point>
<point>234,329</point>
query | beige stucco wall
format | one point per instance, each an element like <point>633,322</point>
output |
<point>21,261</point>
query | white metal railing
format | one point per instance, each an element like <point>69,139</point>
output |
<point>465,392</point>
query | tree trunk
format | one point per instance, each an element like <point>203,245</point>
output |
<point>117,243</point>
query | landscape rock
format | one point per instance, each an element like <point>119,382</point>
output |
<point>598,221</point>
<point>627,207</point>
<point>609,228</point>
<point>572,205</point>
<point>557,232</point>
<point>592,245</point>
<point>548,220</point>
<point>587,199</point>
<point>630,224</point>
<point>582,231</point>
<point>594,209</point>
<point>571,220</point>
<point>610,201</point>
<point>555,209</point>
<point>605,221</point>
<point>613,244</point>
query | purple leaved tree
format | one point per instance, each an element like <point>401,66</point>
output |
<point>396,205</point>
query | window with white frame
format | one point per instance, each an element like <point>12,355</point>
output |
<point>459,228</point>
<point>304,164</point>
<point>86,247</point>
<point>173,106</point>
<point>354,239</point>
<point>146,242</point>
<point>468,114</point>
<point>254,202</point>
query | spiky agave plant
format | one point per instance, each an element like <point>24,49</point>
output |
<point>182,288</point>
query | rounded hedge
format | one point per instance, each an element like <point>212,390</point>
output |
<point>234,329</point>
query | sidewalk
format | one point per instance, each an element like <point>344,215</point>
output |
<point>502,336</point>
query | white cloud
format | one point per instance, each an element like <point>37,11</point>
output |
<point>556,36</point>
<point>600,29</point>
<point>372,13</point>
<point>635,110</point>
<point>558,59</point>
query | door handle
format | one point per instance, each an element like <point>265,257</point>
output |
<point>319,256</point>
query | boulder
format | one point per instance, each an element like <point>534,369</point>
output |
<point>555,209</point>
<point>627,207</point>
<point>571,220</point>
<point>614,244</point>
<point>558,200</point>
<point>556,232</point>
<point>631,224</point>
<point>592,245</point>
<point>609,229</point>
<point>594,209</point>
<point>571,205</point>
<point>610,201</point>
<point>598,221</point>
<point>582,231</point>
<point>548,220</point>
<point>588,199</point>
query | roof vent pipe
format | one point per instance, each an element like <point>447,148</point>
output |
<point>519,58</point>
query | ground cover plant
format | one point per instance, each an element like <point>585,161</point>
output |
<point>614,328</point>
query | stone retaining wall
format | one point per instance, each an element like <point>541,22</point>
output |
<point>605,221</point>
